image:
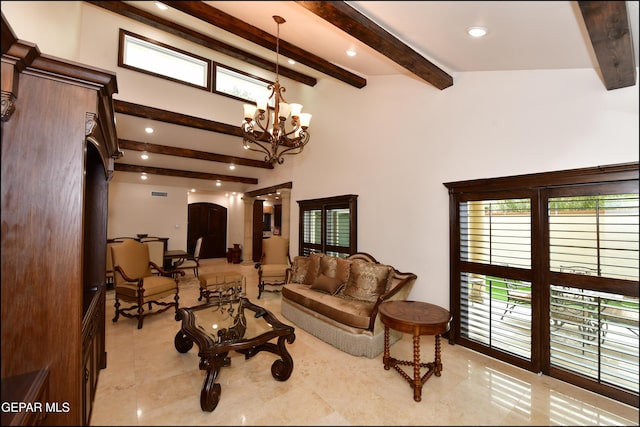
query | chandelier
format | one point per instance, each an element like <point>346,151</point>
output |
<point>266,132</point>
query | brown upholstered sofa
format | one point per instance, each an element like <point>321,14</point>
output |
<point>337,299</point>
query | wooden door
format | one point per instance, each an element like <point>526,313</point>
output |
<point>209,221</point>
<point>277,216</point>
<point>257,229</point>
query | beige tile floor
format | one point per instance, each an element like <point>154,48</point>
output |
<point>148,382</point>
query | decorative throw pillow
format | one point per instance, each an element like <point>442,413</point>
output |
<point>299,269</point>
<point>314,268</point>
<point>367,281</point>
<point>326,284</point>
<point>343,269</point>
<point>335,267</point>
<point>328,265</point>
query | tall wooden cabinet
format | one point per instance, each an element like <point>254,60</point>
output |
<point>58,147</point>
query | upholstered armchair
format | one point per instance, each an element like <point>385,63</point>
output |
<point>136,284</point>
<point>156,251</point>
<point>274,263</point>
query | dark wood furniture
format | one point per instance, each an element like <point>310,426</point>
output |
<point>58,146</point>
<point>417,318</point>
<point>257,225</point>
<point>239,326</point>
<point>174,257</point>
<point>29,389</point>
<point>209,221</point>
<point>277,217</point>
<point>236,253</point>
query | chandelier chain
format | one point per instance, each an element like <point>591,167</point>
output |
<point>277,50</point>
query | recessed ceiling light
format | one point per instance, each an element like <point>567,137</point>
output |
<point>232,166</point>
<point>148,130</point>
<point>291,61</point>
<point>477,31</point>
<point>161,6</point>
<point>144,155</point>
<point>143,176</point>
<point>351,52</point>
<point>218,183</point>
<point>193,190</point>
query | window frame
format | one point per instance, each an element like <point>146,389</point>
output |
<point>121,63</point>
<point>348,201</point>
<point>211,74</point>
<point>214,72</point>
<point>540,187</point>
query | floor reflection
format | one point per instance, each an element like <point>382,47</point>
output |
<point>147,382</point>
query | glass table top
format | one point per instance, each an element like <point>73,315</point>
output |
<point>233,322</point>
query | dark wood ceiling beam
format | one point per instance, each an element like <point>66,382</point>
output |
<point>124,9</point>
<point>126,144</point>
<point>152,113</point>
<point>610,32</point>
<point>240,28</point>
<point>122,167</point>
<point>268,190</point>
<point>362,28</point>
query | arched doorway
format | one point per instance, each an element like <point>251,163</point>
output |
<point>209,221</point>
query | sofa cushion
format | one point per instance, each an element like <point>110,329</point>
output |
<point>347,311</point>
<point>330,285</point>
<point>274,271</point>
<point>299,269</point>
<point>367,281</point>
<point>314,268</point>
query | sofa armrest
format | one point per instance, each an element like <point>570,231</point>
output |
<point>399,291</point>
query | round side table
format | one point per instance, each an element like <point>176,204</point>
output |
<point>417,318</point>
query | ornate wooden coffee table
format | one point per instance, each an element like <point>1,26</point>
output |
<point>237,325</point>
<point>417,318</point>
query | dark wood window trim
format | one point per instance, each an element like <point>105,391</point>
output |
<point>217,65</point>
<point>350,202</point>
<point>212,67</point>
<point>121,63</point>
<point>539,188</point>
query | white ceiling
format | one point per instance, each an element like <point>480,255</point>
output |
<point>522,35</point>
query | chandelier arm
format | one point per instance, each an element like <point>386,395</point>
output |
<point>263,121</point>
<point>249,133</point>
<point>295,125</point>
<point>251,137</point>
<point>298,145</point>
<point>262,150</point>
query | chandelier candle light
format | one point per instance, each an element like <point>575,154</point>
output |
<point>263,133</point>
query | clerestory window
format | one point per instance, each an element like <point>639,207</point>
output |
<point>152,57</point>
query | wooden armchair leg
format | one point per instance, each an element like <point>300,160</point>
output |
<point>117,307</point>
<point>260,289</point>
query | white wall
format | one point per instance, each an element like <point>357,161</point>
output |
<point>133,210</point>
<point>395,142</point>
<point>53,25</point>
